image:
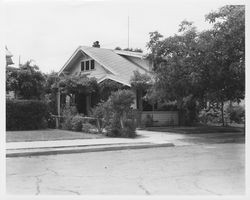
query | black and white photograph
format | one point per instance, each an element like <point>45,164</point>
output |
<point>121,99</point>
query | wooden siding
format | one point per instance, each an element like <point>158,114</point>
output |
<point>162,118</point>
<point>98,72</point>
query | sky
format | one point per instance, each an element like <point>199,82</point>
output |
<point>50,31</point>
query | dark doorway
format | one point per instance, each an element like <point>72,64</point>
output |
<point>81,103</point>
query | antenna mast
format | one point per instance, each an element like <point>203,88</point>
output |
<point>128,31</point>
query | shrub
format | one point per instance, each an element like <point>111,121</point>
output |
<point>129,129</point>
<point>26,114</point>
<point>115,115</point>
<point>88,128</point>
<point>103,113</point>
<point>236,113</point>
<point>168,106</point>
<point>209,116</point>
<point>76,123</point>
<point>68,113</point>
<point>114,128</point>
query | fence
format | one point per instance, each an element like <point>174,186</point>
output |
<point>158,118</point>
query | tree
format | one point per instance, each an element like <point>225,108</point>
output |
<point>118,48</point>
<point>141,81</point>
<point>175,66</point>
<point>27,81</point>
<point>223,58</point>
<point>51,89</point>
<point>107,86</point>
<point>207,66</point>
<point>133,50</point>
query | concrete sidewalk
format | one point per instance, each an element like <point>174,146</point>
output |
<point>145,139</point>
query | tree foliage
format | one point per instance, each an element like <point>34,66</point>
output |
<point>224,56</point>
<point>27,81</point>
<point>206,66</point>
<point>141,81</point>
<point>78,84</point>
<point>133,50</point>
<point>107,86</point>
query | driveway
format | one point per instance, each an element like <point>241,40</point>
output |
<point>181,138</point>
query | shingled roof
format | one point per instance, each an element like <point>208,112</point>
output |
<point>120,68</point>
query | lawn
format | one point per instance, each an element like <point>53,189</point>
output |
<point>197,129</point>
<point>48,134</point>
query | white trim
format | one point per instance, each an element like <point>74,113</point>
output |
<point>97,60</point>
<point>114,79</point>
<point>68,61</point>
<point>84,50</point>
<point>85,60</point>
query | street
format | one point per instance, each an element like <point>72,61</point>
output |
<point>208,169</point>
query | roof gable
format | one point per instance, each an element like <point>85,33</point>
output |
<point>116,64</point>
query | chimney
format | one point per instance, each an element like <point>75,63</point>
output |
<point>96,44</point>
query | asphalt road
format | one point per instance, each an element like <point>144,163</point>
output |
<point>208,169</point>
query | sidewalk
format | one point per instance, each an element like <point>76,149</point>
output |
<point>145,139</point>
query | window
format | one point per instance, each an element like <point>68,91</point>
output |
<point>92,64</point>
<point>87,65</point>
<point>82,66</point>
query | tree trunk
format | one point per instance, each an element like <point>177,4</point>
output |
<point>180,112</point>
<point>222,113</point>
<point>98,126</point>
<point>121,121</point>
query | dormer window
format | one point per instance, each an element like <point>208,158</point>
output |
<point>82,66</point>
<point>87,65</point>
<point>92,64</point>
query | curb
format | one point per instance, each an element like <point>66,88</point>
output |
<point>71,150</point>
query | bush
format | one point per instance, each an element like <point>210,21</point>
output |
<point>209,116</point>
<point>68,113</point>
<point>168,106</point>
<point>76,123</point>
<point>88,128</point>
<point>103,113</point>
<point>115,114</point>
<point>236,113</point>
<point>129,129</point>
<point>26,114</point>
<point>114,128</point>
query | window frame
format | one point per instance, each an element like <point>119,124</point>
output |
<point>91,65</point>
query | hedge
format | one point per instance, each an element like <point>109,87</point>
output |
<point>26,114</point>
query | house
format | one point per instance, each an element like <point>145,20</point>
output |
<point>107,64</point>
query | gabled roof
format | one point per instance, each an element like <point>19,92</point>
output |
<point>120,68</point>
